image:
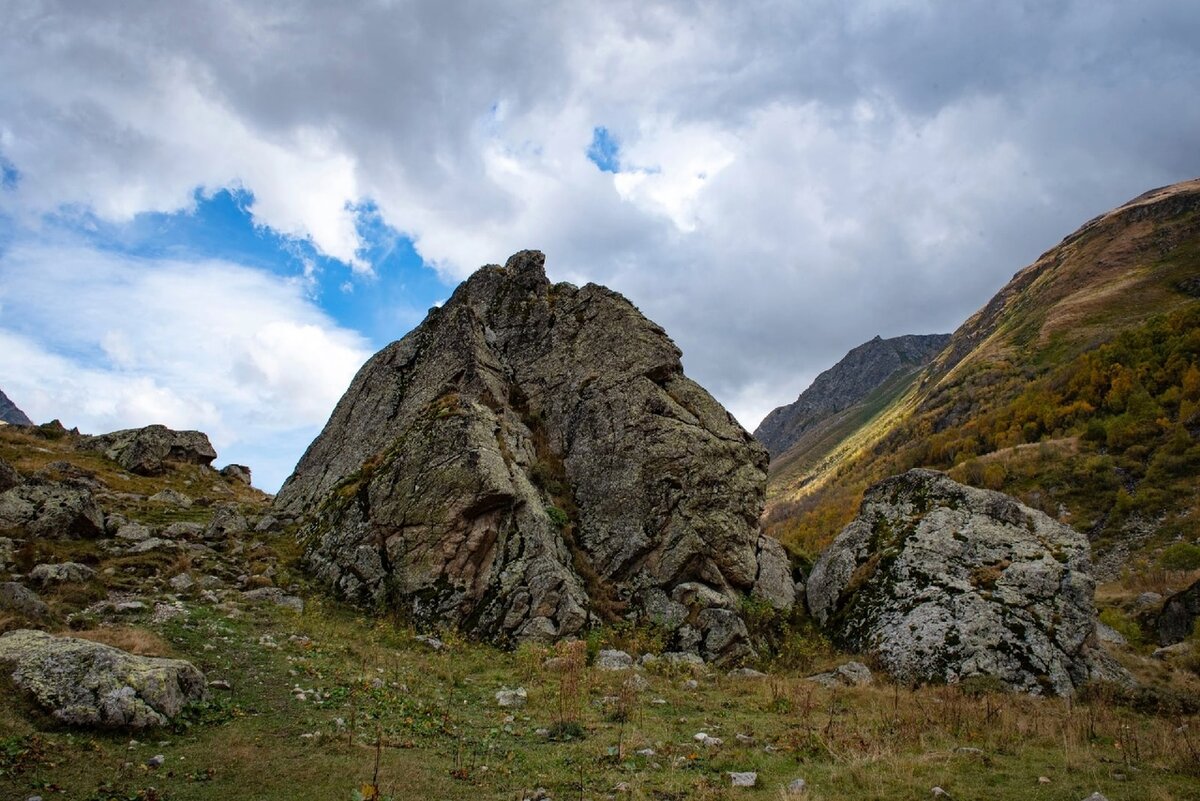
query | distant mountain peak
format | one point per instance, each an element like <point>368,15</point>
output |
<point>9,413</point>
<point>859,373</point>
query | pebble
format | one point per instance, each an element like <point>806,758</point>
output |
<point>220,684</point>
<point>512,698</point>
<point>155,761</point>
<point>797,787</point>
<point>743,779</point>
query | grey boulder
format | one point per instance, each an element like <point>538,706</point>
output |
<point>943,582</point>
<point>83,683</point>
<point>18,598</point>
<point>52,510</point>
<point>1177,619</point>
<point>148,451</point>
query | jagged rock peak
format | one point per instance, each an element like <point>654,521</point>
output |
<point>942,582</point>
<point>9,413</point>
<point>530,460</point>
<point>860,372</point>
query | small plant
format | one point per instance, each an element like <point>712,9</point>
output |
<point>1180,556</point>
<point>557,516</point>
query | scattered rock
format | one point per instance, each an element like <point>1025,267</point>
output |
<point>797,787</point>
<point>17,598</point>
<point>851,674</point>
<point>432,642</point>
<point>226,520</point>
<point>512,699</point>
<point>151,544</point>
<point>1148,600</point>
<point>942,582</point>
<point>707,740</point>
<point>276,596</point>
<point>1095,797</point>
<point>8,551</point>
<point>1107,634</point>
<point>83,683</point>
<point>156,761</point>
<point>637,682</point>
<point>170,497</point>
<point>267,523</point>
<point>182,583</point>
<point>62,573</point>
<point>746,673</point>
<point>613,660</point>
<point>148,451</point>
<point>51,510</point>
<point>133,532</point>
<point>743,779</point>
<point>237,472</point>
<point>1177,620</point>
<point>220,684</point>
<point>9,477</point>
<point>514,393</point>
<point>183,530</point>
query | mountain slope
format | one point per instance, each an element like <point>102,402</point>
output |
<point>1076,388</point>
<point>9,413</point>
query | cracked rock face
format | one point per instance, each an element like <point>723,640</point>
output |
<point>530,460</point>
<point>147,450</point>
<point>942,582</point>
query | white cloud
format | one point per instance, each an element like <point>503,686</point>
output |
<point>106,342</point>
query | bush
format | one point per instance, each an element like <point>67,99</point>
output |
<point>1180,556</point>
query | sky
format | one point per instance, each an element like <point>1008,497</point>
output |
<point>211,213</point>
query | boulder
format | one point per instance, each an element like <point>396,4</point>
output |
<point>170,497</point>
<point>237,472</point>
<point>83,683</point>
<point>226,520</point>
<point>9,477</point>
<point>851,674</point>
<point>1177,620</point>
<point>147,451</point>
<point>941,582</point>
<point>613,660</point>
<point>17,598</point>
<point>51,509</point>
<point>531,460</point>
<point>61,573</point>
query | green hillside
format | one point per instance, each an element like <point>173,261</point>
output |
<point>1076,388</point>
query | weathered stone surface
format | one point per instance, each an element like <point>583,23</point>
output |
<point>61,572</point>
<point>226,521</point>
<point>17,598</point>
<point>84,683</point>
<point>942,581</point>
<point>531,459</point>
<point>613,660</point>
<point>851,674</point>
<point>9,477</point>
<point>51,509</point>
<point>1177,620</point>
<point>148,450</point>
<point>237,472</point>
<point>170,497</point>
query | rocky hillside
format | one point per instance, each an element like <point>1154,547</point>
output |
<point>848,383</point>
<point>530,461</point>
<point>1077,389</point>
<point>9,413</point>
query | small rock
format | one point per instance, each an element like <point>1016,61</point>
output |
<point>1106,633</point>
<point>151,544</point>
<point>797,787</point>
<point>851,674</point>
<point>691,684</point>
<point>125,607</point>
<point>541,732</point>
<point>746,673</point>
<point>182,583</point>
<point>744,739</point>
<point>938,792</point>
<point>637,682</point>
<point>613,660</point>
<point>432,642</point>
<point>1148,600</point>
<point>133,532</point>
<point>646,752</point>
<point>17,598</point>
<point>64,572</point>
<point>220,684</point>
<point>746,779</point>
<point>237,472</point>
<point>155,761</point>
<point>513,699</point>
<point>707,740</point>
<point>1043,779</point>
<point>170,497</point>
<point>966,749</point>
<point>1095,797</point>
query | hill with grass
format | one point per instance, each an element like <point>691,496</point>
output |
<point>1075,389</point>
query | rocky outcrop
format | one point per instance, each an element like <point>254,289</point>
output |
<point>9,477</point>
<point>21,600</point>
<point>941,582</point>
<point>83,683</point>
<point>9,413</point>
<point>1177,620</point>
<point>147,451</point>
<point>531,459</point>
<point>860,372</point>
<point>237,472</point>
<point>51,509</point>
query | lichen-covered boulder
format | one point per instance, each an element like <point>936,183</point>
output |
<point>51,509</point>
<point>83,683</point>
<point>531,460</point>
<point>1177,619</point>
<point>21,600</point>
<point>147,451</point>
<point>237,472</point>
<point>941,582</point>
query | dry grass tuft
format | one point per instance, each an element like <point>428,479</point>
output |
<point>128,638</point>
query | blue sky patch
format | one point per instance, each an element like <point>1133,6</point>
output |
<point>604,151</point>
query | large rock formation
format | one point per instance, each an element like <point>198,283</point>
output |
<point>9,413</point>
<point>531,459</point>
<point>148,450</point>
<point>943,582</point>
<point>84,683</point>
<point>1177,620</point>
<point>51,509</point>
<point>860,372</point>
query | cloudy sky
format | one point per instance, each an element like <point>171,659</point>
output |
<point>212,212</point>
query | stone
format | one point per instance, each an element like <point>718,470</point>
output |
<point>1177,619</point>
<point>1107,634</point>
<point>183,530</point>
<point>8,553</point>
<point>267,523</point>
<point>237,472</point>
<point>743,779</point>
<point>276,596</point>
<point>512,699</point>
<point>613,660</point>
<point>1148,600</point>
<point>226,521</point>
<point>84,683</point>
<point>797,787</point>
<point>182,583</point>
<point>746,673</point>
<point>156,761</point>
<point>433,643</point>
<point>20,599</point>
<point>62,573</point>
<point>151,544</point>
<point>51,510</point>
<point>170,497</point>
<point>851,674</point>
<point>531,461</point>
<point>941,582</point>
<point>133,532</point>
<point>1095,797</point>
<point>9,477</point>
<point>149,451</point>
